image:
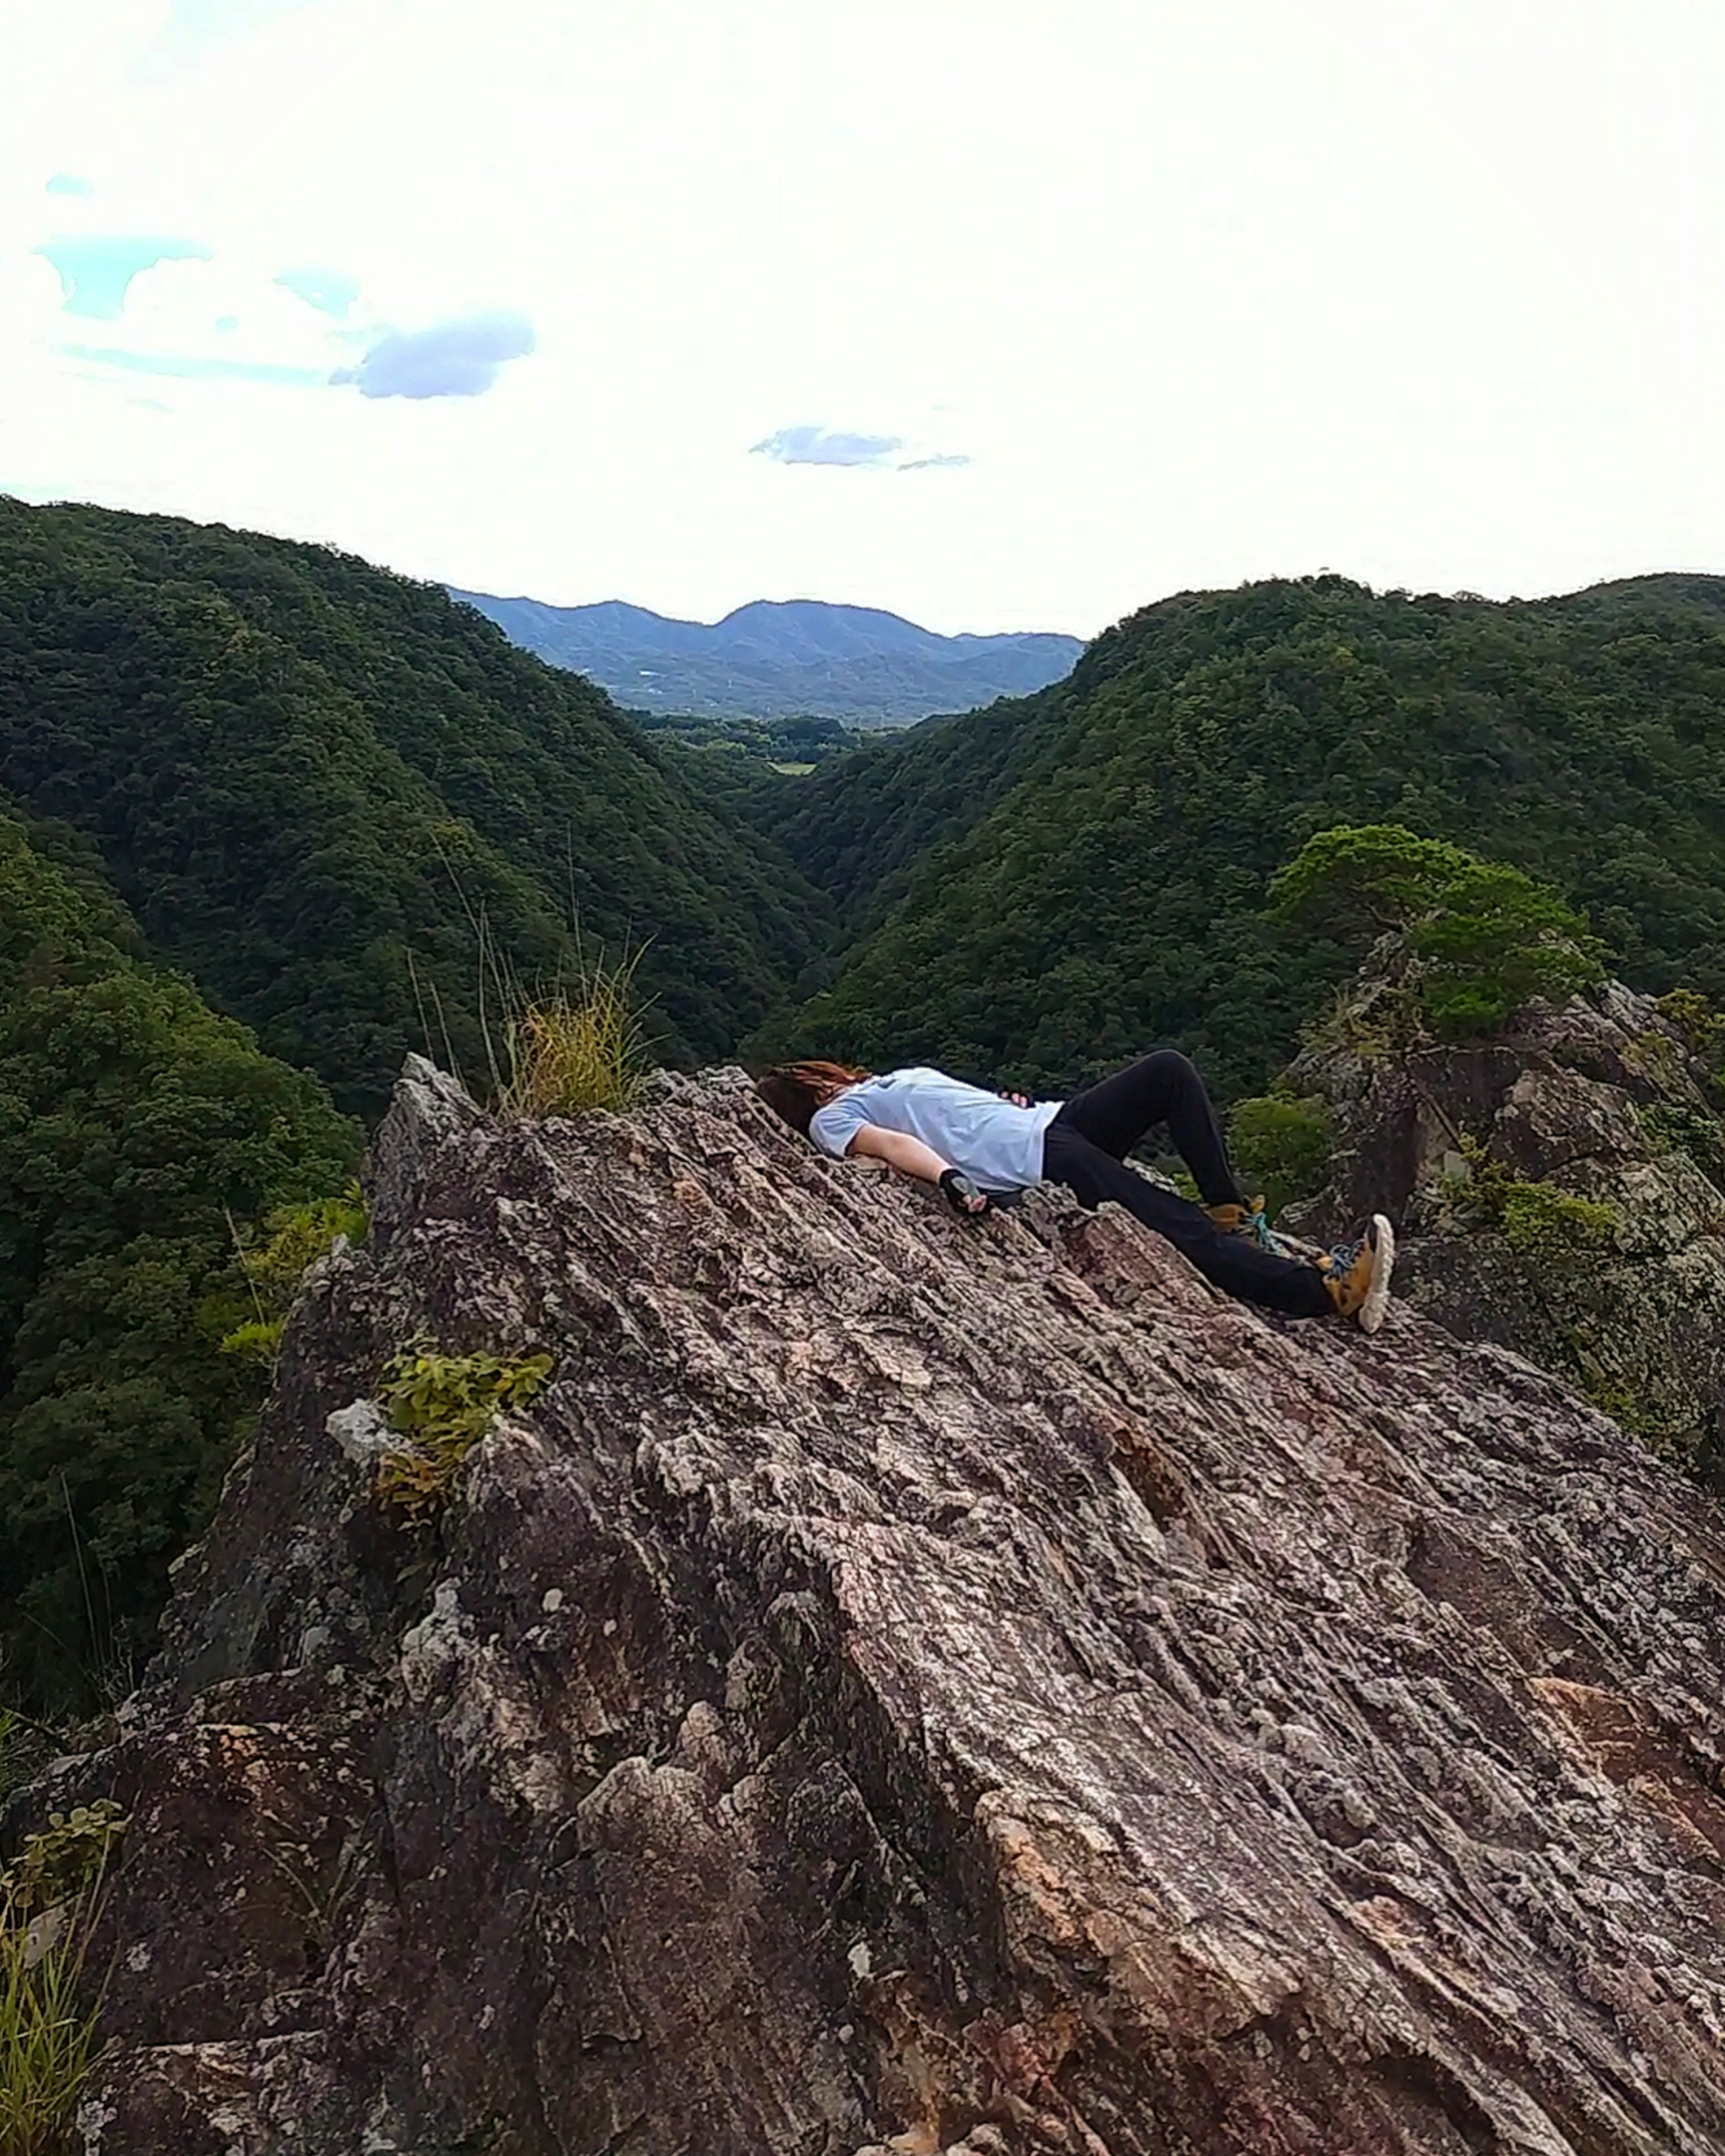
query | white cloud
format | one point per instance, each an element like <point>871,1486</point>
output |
<point>1429,295</point>
<point>458,358</point>
<point>825,445</point>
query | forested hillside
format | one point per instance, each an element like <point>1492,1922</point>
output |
<point>311,779</point>
<point>140,1134</point>
<point>1099,853</point>
<point>867,822</point>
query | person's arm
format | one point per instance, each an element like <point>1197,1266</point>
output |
<point>912,1158</point>
<point>908,1154</point>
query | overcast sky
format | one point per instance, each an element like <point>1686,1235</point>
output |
<point>1002,314</point>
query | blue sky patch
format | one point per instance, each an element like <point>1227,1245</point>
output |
<point>328,290</point>
<point>179,367</point>
<point>69,183</point>
<point>96,274</point>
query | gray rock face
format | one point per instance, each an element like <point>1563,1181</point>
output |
<point>906,1685</point>
<point>1600,1100</point>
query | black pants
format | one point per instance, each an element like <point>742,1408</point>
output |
<point>1085,1146</point>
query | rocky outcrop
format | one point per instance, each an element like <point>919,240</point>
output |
<point>906,1685</point>
<point>1601,1101</point>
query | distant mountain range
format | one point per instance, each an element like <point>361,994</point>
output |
<point>778,659</point>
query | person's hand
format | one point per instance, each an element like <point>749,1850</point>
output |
<point>962,1194</point>
<point>1018,1100</point>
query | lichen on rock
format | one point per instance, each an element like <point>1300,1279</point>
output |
<point>1559,1189</point>
<point>909,1685</point>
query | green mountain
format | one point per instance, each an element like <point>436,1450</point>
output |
<point>1069,878</point>
<point>319,788</point>
<point>139,1134</point>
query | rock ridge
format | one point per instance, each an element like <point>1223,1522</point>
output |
<point>908,1687</point>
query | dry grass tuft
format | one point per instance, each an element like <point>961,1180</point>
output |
<point>577,1048</point>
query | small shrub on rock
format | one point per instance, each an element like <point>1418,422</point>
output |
<point>442,1405</point>
<point>1542,1225</point>
<point>295,1237</point>
<point>1479,939</point>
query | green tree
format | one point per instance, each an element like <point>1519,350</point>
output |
<point>1480,939</point>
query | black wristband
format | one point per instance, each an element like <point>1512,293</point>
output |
<point>958,1190</point>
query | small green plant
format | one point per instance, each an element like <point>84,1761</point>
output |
<point>577,1048</point>
<point>1655,1056</point>
<point>259,1340</point>
<point>1669,1128</point>
<point>1543,1225</point>
<point>1282,1142</point>
<point>295,1237</point>
<point>442,1405</point>
<point>66,1858</point>
<point>1611,1399</point>
<point>1550,1227</point>
<point>1698,1025</point>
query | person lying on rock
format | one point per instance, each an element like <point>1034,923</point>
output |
<point>975,1144</point>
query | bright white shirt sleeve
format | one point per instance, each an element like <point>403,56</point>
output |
<point>835,1125</point>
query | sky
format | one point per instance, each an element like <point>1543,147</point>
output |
<point>1000,315</point>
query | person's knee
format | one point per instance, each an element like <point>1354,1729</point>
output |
<point>1174,1069</point>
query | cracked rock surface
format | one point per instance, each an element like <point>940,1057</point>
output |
<point>906,1685</point>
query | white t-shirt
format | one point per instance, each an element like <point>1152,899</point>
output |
<point>997,1145</point>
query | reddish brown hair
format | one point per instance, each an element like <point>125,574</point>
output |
<point>795,1091</point>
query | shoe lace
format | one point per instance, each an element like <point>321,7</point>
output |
<point>1256,1223</point>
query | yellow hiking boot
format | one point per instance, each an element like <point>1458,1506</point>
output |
<point>1356,1275</point>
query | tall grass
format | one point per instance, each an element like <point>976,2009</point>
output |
<point>577,1040</point>
<point>47,2023</point>
<point>580,1047</point>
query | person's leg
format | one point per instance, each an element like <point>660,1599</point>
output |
<point>1232,1263</point>
<point>1162,1087</point>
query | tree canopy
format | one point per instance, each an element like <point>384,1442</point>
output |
<point>139,1132</point>
<point>1479,940</point>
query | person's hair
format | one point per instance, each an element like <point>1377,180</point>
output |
<point>795,1091</point>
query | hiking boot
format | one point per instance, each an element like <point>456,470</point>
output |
<point>1356,1275</point>
<point>1248,1218</point>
